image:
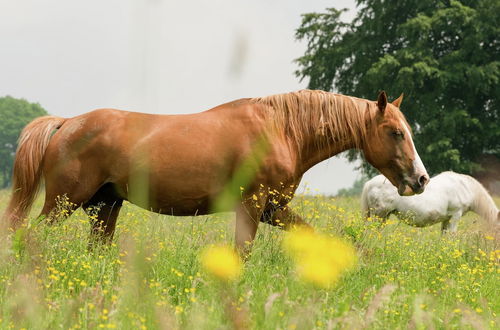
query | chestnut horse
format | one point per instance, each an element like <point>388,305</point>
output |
<point>184,162</point>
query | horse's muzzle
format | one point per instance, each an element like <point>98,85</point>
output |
<point>420,184</point>
<point>415,186</point>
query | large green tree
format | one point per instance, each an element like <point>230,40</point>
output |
<point>14,115</point>
<point>444,55</point>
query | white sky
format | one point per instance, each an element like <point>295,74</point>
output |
<point>157,56</point>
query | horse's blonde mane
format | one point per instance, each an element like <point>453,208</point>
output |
<point>306,113</point>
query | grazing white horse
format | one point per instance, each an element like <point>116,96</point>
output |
<point>447,197</point>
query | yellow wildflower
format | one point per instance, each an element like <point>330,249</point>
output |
<point>222,262</point>
<point>320,259</point>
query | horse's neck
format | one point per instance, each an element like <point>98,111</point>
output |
<point>482,203</point>
<point>321,144</point>
<point>316,150</point>
<point>319,124</point>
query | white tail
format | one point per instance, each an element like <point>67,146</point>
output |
<point>483,203</point>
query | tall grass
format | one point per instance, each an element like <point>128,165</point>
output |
<point>150,276</point>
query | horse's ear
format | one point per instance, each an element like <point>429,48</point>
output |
<point>382,101</point>
<point>397,102</point>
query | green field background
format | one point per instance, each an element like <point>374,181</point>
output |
<point>150,276</point>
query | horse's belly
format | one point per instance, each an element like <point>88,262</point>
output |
<point>186,207</point>
<point>424,219</point>
<point>165,198</point>
<point>184,210</point>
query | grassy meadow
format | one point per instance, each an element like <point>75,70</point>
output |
<point>151,278</point>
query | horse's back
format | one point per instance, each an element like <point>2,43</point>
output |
<point>458,189</point>
<point>100,129</point>
<point>448,194</point>
<point>122,135</point>
<point>124,132</point>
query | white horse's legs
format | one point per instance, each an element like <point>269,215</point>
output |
<point>445,226</point>
<point>451,225</point>
<point>454,225</point>
<point>454,221</point>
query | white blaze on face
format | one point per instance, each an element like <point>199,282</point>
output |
<point>418,166</point>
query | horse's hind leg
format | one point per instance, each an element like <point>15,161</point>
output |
<point>63,195</point>
<point>284,218</point>
<point>106,204</point>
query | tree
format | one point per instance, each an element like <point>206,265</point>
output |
<point>14,115</point>
<point>444,55</point>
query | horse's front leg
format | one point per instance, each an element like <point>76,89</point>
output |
<point>445,226</point>
<point>247,222</point>
<point>451,225</point>
<point>287,219</point>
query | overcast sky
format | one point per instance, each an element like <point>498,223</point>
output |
<point>157,56</point>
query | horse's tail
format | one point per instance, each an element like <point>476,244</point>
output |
<point>27,173</point>
<point>483,204</point>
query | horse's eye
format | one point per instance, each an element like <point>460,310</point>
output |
<point>398,133</point>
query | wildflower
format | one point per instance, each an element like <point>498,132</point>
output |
<point>456,253</point>
<point>320,259</point>
<point>222,262</point>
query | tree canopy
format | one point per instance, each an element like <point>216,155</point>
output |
<point>14,115</point>
<point>444,55</point>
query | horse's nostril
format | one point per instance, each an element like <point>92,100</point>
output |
<point>422,180</point>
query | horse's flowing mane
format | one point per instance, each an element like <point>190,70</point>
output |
<point>307,113</point>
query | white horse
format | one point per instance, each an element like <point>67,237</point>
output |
<point>447,197</point>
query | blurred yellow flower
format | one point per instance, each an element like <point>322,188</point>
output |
<point>222,262</point>
<point>320,260</point>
